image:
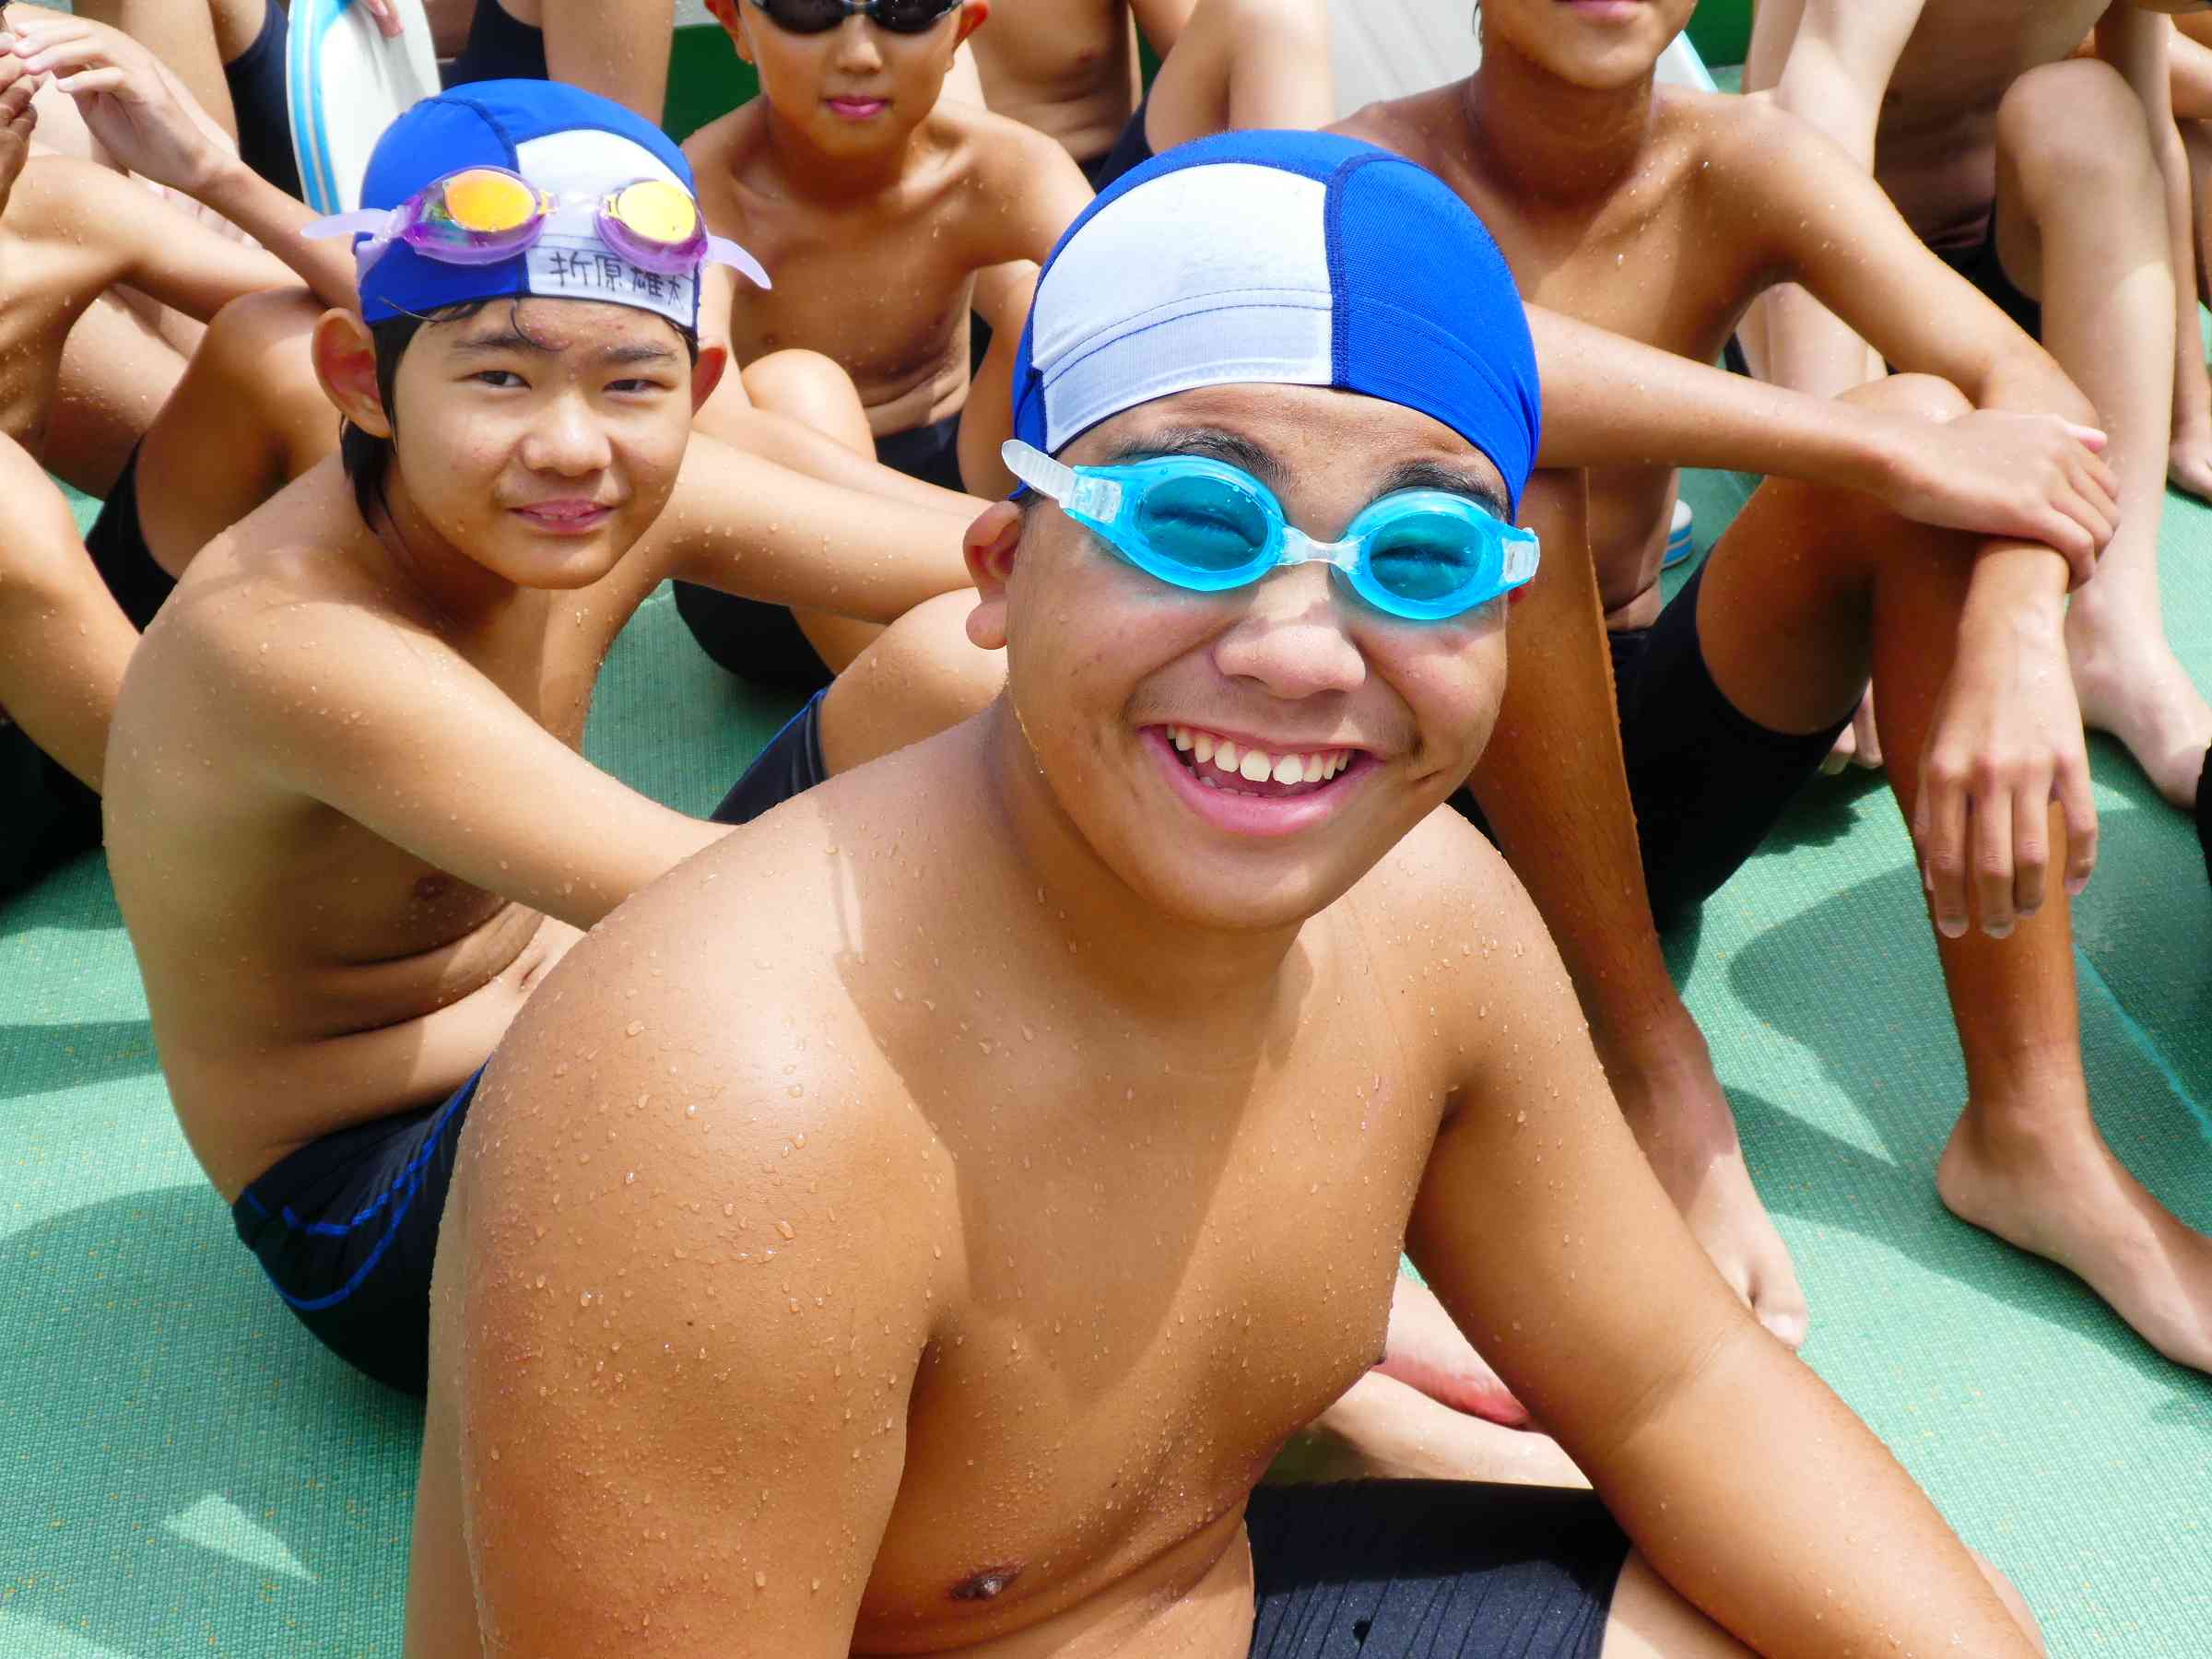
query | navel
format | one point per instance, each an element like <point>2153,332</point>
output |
<point>987,1585</point>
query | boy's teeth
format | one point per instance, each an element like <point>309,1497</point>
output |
<point>1316,768</point>
<point>1291,769</point>
<point>1202,746</point>
<point>1225,755</point>
<point>1183,739</point>
<point>1258,766</point>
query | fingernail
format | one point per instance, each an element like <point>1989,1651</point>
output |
<point>1951,927</point>
<point>2076,886</point>
<point>1997,930</point>
<point>1927,882</point>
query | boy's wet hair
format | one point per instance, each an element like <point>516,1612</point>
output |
<point>368,458</point>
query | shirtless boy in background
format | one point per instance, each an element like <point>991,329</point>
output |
<point>1729,697</point>
<point>1070,68</point>
<point>347,822</point>
<point>877,203</point>
<point>2059,186</point>
<point>915,1229</point>
<point>71,230</point>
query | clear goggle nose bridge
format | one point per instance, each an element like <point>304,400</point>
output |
<point>1508,560</point>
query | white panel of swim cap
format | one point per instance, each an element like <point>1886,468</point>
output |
<point>1206,277</point>
<point>586,163</point>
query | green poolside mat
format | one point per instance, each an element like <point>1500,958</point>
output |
<point>186,1470</point>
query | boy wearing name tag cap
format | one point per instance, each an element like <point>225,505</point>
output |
<point>347,821</point>
<point>916,1229</point>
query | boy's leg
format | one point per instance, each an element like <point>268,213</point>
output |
<point>918,678</point>
<point>1244,63</point>
<point>1808,589</point>
<point>116,373</point>
<point>247,418</point>
<point>2081,226</point>
<point>192,38</point>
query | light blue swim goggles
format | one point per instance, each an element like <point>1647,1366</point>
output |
<point>1423,555</point>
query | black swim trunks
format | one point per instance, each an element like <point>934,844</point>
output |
<point>46,815</point>
<point>347,1227</point>
<point>501,47</point>
<point>1130,150</point>
<point>2204,811</point>
<point>1979,263</point>
<point>757,641</point>
<point>261,104</point>
<point>1431,1569</point>
<point>790,765</point>
<point>1706,781</point>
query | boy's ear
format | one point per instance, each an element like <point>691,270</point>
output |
<point>974,14</point>
<point>991,544</point>
<point>706,374</point>
<point>726,12</point>
<point>344,359</point>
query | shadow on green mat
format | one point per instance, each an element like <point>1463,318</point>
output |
<point>273,1493</point>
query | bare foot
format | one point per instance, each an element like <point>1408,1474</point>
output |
<point>2189,460</point>
<point>2137,691</point>
<point>1382,1429</point>
<point>1858,744</point>
<point>1683,1123</point>
<point>2061,1195</point>
<point>1426,1351</point>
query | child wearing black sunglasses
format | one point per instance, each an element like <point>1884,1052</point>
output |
<point>878,205</point>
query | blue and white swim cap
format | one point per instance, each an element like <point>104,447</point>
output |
<point>570,144</point>
<point>1299,258</point>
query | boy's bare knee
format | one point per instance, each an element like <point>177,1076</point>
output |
<point>1925,396</point>
<point>247,329</point>
<point>2076,126</point>
<point>795,376</point>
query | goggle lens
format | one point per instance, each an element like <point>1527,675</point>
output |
<point>1204,523</point>
<point>1427,558</point>
<point>658,211</point>
<point>819,16</point>
<point>486,203</point>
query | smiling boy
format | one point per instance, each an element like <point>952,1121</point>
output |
<point>1725,699</point>
<point>348,823</point>
<point>878,203</point>
<point>915,1231</point>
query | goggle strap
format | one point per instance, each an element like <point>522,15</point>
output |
<point>1039,470</point>
<point>721,250</point>
<point>363,221</point>
<point>1523,552</point>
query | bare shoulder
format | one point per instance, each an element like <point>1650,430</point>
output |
<point>1747,143</point>
<point>1001,156</point>
<point>1411,126</point>
<point>1448,919</point>
<point>716,149</point>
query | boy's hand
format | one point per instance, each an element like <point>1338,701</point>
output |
<point>2031,477</point>
<point>2006,740</point>
<point>132,104</point>
<point>381,13</point>
<point>17,118</point>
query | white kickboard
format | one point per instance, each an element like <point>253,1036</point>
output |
<point>346,84</point>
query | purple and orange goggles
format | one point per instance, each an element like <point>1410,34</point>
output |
<point>479,216</point>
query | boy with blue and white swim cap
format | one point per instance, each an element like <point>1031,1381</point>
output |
<point>386,833</point>
<point>916,1226</point>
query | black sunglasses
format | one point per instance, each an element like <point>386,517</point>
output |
<point>819,16</point>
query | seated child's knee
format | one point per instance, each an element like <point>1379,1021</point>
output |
<point>2072,125</point>
<point>1926,396</point>
<point>929,647</point>
<point>2015,1603</point>
<point>796,376</point>
<point>250,326</point>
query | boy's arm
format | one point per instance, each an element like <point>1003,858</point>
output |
<point>1003,296</point>
<point>2139,45</point>
<point>747,1416</point>
<point>146,121</point>
<point>1162,22</point>
<point>615,47</point>
<point>1839,67</point>
<point>750,527</point>
<point>1738,1476</point>
<point>381,721</point>
<point>1609,401</point>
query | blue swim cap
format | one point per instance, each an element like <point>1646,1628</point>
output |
<point>1298,259</point>
<point>566,141</point>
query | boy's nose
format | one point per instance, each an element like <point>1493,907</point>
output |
<point>568,441</point>
<point>856,48</point>
<point>1292,640</point>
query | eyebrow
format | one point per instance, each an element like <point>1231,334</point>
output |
<point>1238,451</point>
<point>514,339</point>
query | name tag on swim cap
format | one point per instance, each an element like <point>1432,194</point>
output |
<point>596,272</point>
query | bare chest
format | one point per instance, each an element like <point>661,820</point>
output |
<point>1146,1316</point>
<point>1963,54</point>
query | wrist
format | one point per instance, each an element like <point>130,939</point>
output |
<point>2016,597</point>
<point>218,177</point>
